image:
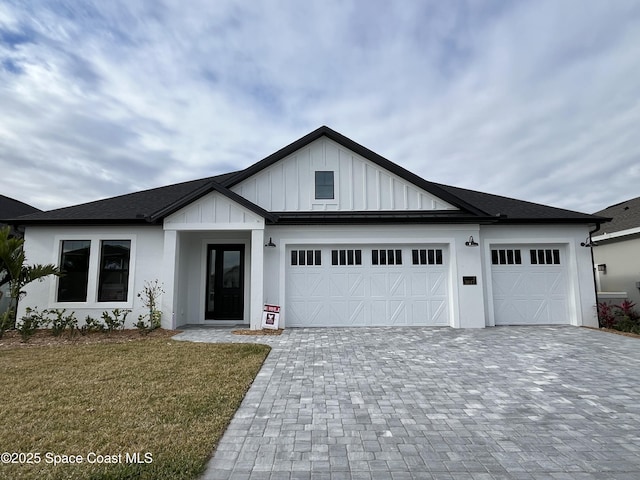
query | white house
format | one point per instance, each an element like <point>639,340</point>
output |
<point>616,253</point>
<point>330,231</point>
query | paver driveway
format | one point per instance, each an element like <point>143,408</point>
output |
<point>436,403</point>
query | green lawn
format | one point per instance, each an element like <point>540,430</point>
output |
<point>168,401</point>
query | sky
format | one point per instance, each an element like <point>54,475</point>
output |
<point>535,100</point>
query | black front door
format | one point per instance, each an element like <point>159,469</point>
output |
<point>225,282</point>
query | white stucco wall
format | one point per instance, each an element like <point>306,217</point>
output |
<point>42,245</point>
<point>622,259</point>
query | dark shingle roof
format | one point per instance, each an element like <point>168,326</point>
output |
<point>513,210</point>
<point>151,206</point>
<point>624,216</point>
<point>12,208</point>
<point>130,208</point>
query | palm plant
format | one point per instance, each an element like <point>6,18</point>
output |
<point>16,274</point>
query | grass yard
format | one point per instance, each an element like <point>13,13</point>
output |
<point>167,401</point>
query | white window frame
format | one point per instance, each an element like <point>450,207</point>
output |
<point>94,271</point>
<point>324,203</point>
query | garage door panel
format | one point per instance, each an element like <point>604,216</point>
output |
<point>356,285</point>
<point>557,284</point>
<point>378,285</point>
<point>437,284</point>
<point>397,312</point>
<point>439,312</point>
<point>397,285</point>
<point>338,285</point>
<point>418,284</point>
<point>356,313</point>
<point>364,293</point>
<point>419,311</point>
<point>379,314</point>
<point>530,293</point>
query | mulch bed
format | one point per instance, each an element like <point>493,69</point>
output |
<point>43,337</point>
<point>264,331</point>
<point>617,332</point>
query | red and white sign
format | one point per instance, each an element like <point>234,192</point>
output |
<point>271,316</point>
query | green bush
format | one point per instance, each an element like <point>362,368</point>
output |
<point>115,320</point>
<point>621,317</point>
<point>91,325</point>
<point>61,322</point>
<point>29,324</point>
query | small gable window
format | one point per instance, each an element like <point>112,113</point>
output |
<point>324,185</point>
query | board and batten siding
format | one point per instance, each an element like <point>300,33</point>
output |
<point>214,210</point>
<point>360,185</point>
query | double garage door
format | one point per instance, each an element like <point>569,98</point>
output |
<point>367,285</point>
<point>530,285</point>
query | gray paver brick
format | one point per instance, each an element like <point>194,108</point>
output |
<point>512,403</point>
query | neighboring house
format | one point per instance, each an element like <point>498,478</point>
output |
<point>330,231</point>
<point>617,252</point>
<point>11,208</point>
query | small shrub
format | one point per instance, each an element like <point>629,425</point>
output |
<point>142,326</point>
<point>626,324</point>
<point>628,319</point>
<point>149,296</point>
<point>62,322</point>
<point>115,320</point>
<point>91,325</point>
<point>627,309</point>
<point>29,324</point>
<point>606,317</point>
<point>622,317</point>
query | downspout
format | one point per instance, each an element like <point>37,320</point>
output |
<point>593,269</point>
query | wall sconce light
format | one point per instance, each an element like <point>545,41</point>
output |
<point>270,244</point>
<point>602,267</point>
<point>471,242</point>
<point>588,243</point>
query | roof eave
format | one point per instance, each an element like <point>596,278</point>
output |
<point>82,222</point>
<point>201,192</point>
<point>409,217</point>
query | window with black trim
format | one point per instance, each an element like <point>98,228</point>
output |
<point>113,283</point>
<point>74,264</point>
<point>547,256</point>
<point>506,257</point>
<point>386,257</point>
<point>324,185</point>
<point>426,256</point>
<point>346,257</point>
<point>306,257</point>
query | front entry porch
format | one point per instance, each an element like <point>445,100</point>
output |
<point>217,278</point>
<point>213,264</point>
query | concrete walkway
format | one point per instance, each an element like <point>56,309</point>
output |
<point>557,403</point>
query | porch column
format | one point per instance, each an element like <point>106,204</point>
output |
<point>257,279</point>
<point>169,270</point>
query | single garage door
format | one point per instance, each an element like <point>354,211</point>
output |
<point>367,285</point>
<point>529,285</point>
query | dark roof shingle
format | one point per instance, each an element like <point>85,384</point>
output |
<point>513,210</point>
<point>624,216</point>
<point>12,208</point>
